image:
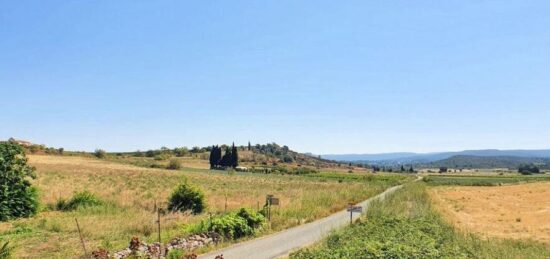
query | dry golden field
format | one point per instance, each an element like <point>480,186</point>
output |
<point>512,212</point>
<point>131,193</point>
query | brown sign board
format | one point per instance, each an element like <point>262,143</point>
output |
<point>274,201</point>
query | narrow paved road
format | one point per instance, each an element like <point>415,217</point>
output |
<point>282,243</point>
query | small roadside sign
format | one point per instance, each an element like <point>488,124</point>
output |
<point>357,209</point>
<point>351,209</point>
<point>274,201</point>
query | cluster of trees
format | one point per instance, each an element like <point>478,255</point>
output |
<point>283,153</point>
<point>528,169</point>
<point>222,161</point>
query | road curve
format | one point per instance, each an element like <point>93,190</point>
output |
<point>282,243</point>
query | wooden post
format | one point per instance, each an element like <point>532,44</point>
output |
<point>81,239</point>
<point>225,208</point>
<point>158,224</point>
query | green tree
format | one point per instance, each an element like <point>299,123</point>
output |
<point>100,153</point>
<point>17,197</point>
<point>187,198</point>
<point>234,156</point>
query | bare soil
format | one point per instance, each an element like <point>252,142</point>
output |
<point>513,212</point>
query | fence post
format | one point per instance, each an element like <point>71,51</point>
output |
<point>81,238</point>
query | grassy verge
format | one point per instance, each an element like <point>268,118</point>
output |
<point>406,226</point>
<point>483,180</point>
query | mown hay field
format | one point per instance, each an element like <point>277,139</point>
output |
<point>131,194</point>
<point>515,212</point>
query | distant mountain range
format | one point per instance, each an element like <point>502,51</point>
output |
<point>427,158</point>
<point>511,162</point>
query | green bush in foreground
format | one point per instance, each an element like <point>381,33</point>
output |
<point>79,200</point>
<point>17,197</point>
<point>234,225</point>
<point>187,198</point>
<point>406,226</point>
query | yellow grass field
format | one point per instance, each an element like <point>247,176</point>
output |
<point>131,193</point>
<point>513,212</point>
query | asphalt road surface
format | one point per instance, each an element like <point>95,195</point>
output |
<point>282,243</point>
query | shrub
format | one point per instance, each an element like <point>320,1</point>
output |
<point>288,159</point>
<point>17,197</point>
<point>253,219</point>
<point>79,200</point>
<point>187,198</point>
<point>174,164</point>
<point>100,153</point>
<point>233,225</point>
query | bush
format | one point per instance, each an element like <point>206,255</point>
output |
<point>187,198</point>
<point>288,159</point>
<point>233,225</point>
<point>17,197</point>
<point>100,153</point>
<point>79,200</point>
<point>253,219</point>
<point>174,164</point>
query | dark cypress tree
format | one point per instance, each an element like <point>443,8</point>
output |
<point>227,158</point>
<point>234,156</point>
<point>249,146</point>
<point>215,157</point>
<point>411,170</point>
<point>212,154</point>
<point>402,168</point>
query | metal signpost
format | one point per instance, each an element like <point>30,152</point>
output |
<point>353,209</point>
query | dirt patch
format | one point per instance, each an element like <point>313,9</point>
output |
<point>515,211</point>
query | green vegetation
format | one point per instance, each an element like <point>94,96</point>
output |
<point>100,153</point>
<point>284,170</point>
<point>17,197</point>
<point>406,226</point>
<point>5,250</point>
<point>234,225</point>
<point>528,169</point>
<point>471,162</point>
<point>482,180</point>
<point>174,164</point>
<point>79,200</point>
<point>175,254</point>
<point>227,160</point>
<point>187,198</point>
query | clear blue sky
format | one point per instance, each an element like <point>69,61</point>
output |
<point>319,76</point>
